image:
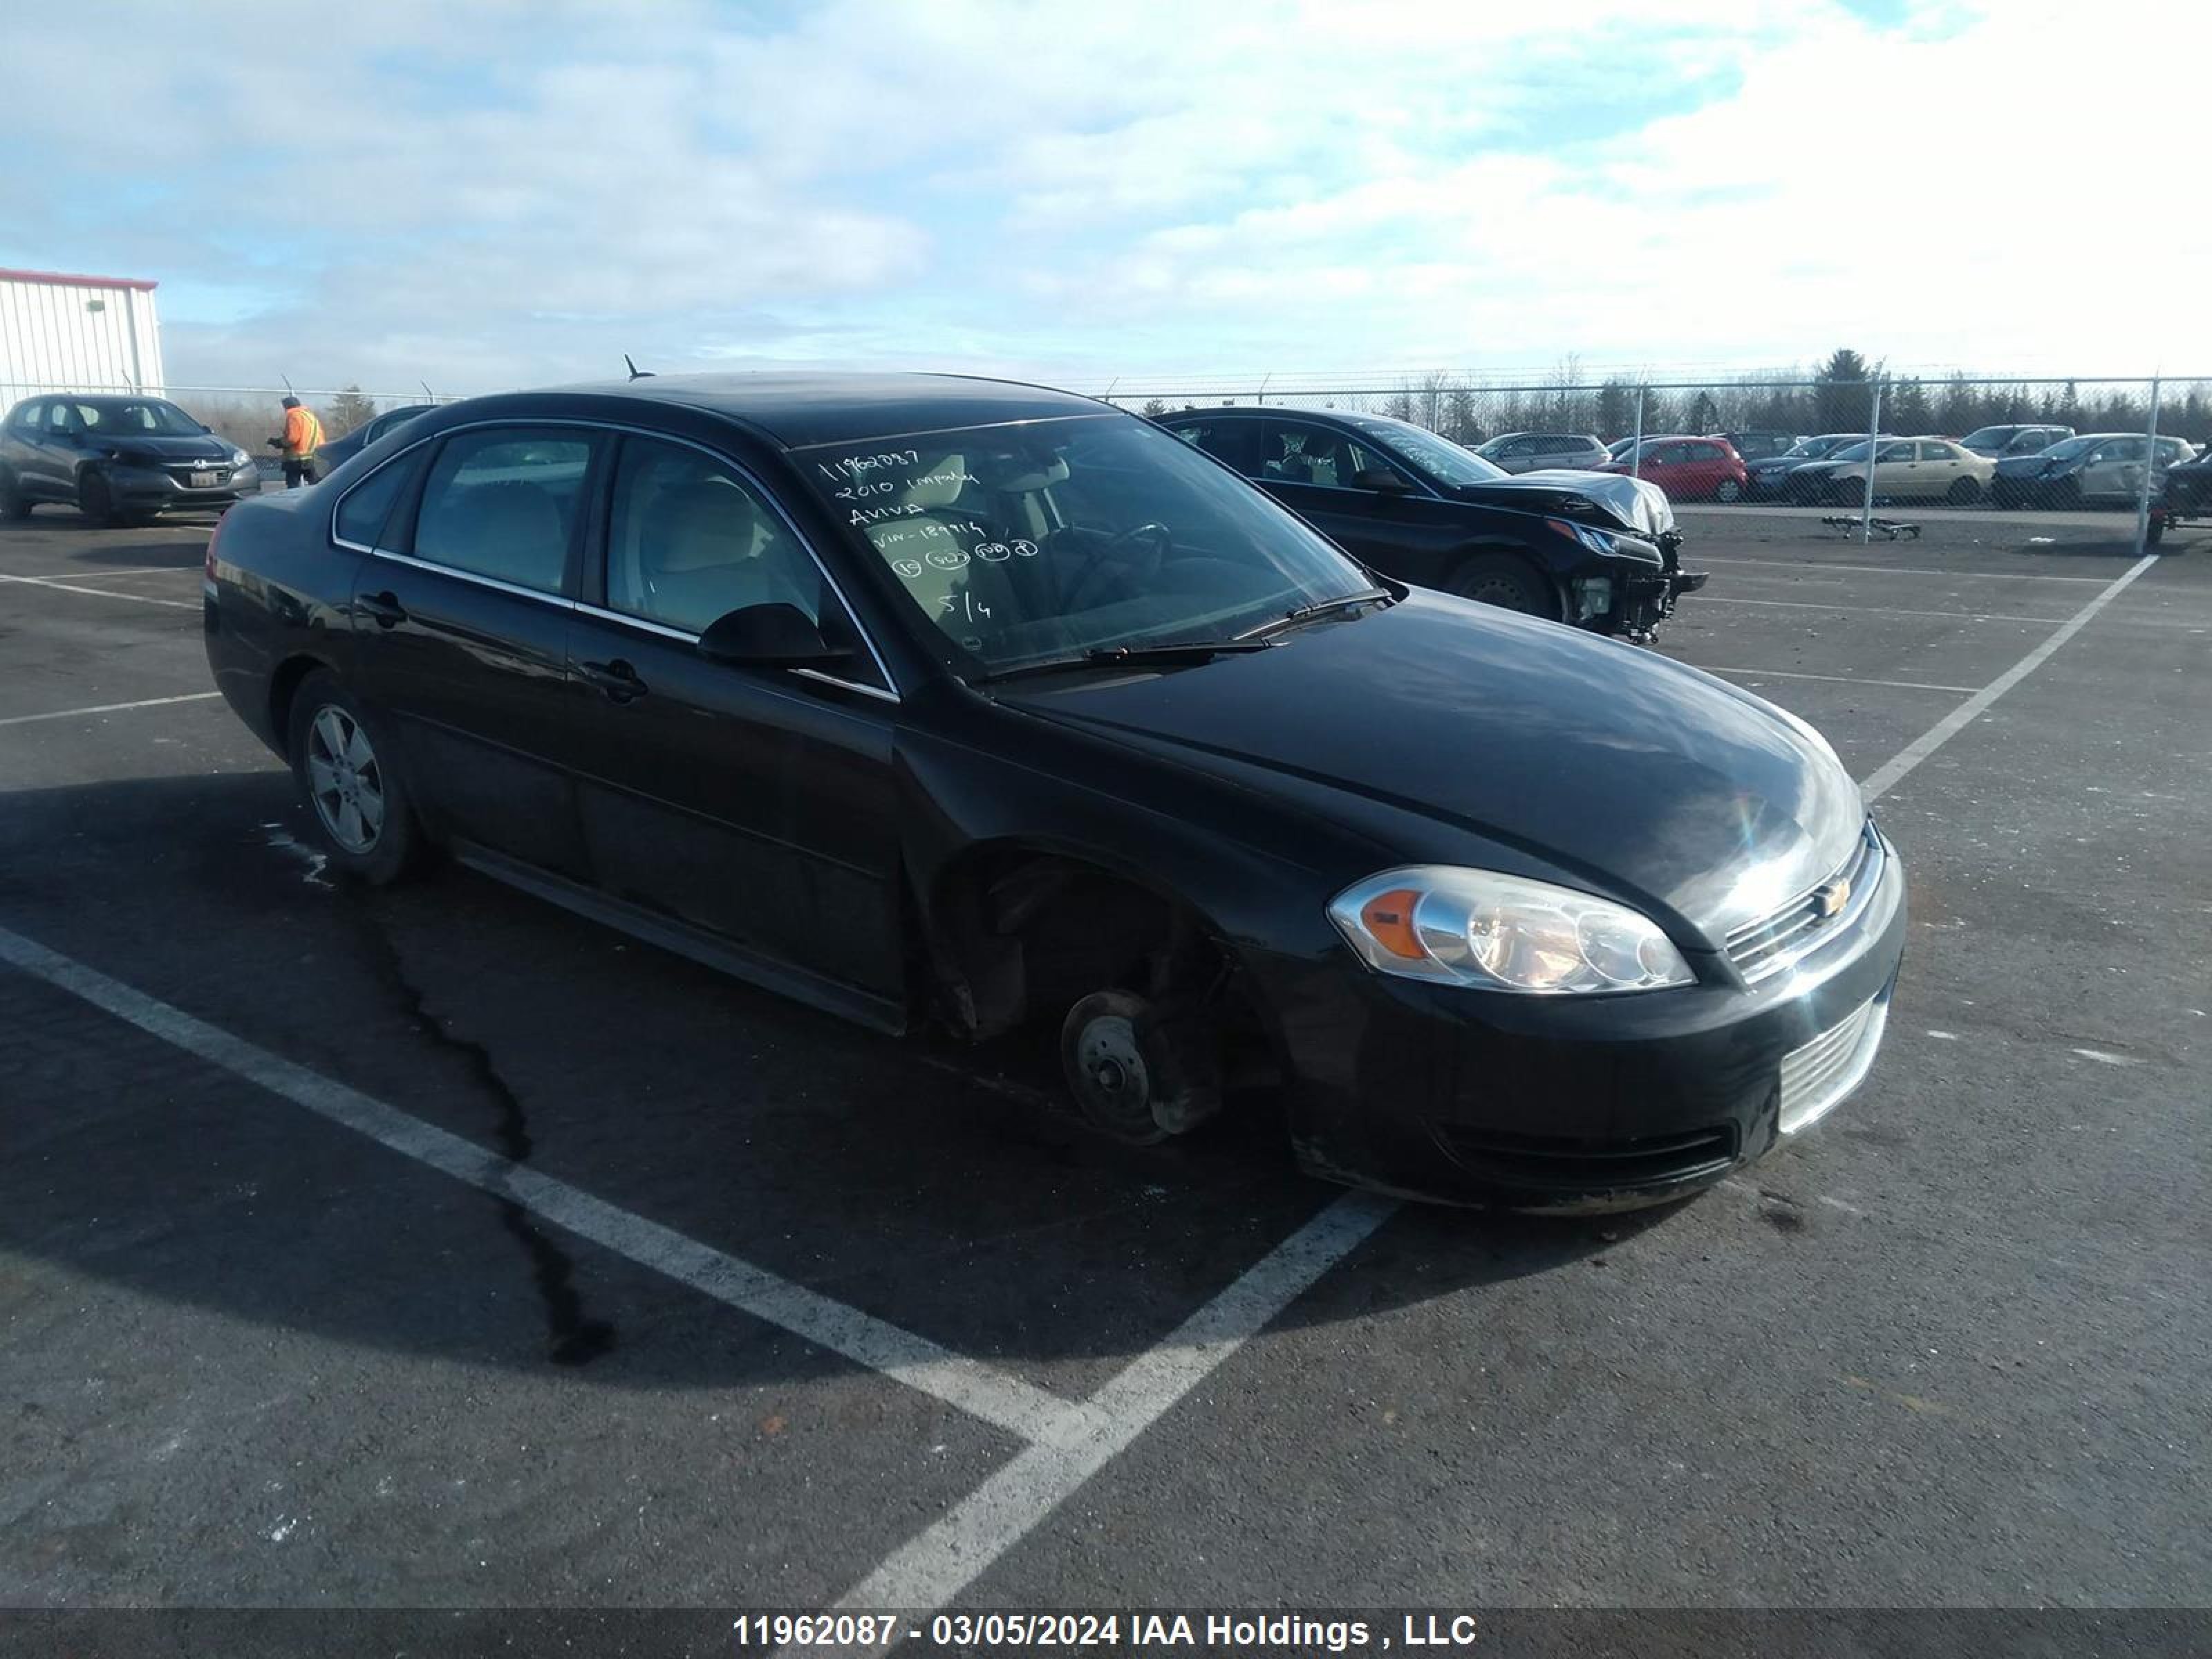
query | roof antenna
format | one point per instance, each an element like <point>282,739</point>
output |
<point>287,386</point>
<point>635,373</point>
<point>427,393</point>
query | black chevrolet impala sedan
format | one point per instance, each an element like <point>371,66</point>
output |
<point>919,696</point>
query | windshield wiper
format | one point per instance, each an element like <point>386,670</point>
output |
<point>1308,612</point>
<point>1135,656</point>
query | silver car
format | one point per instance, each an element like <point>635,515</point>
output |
<point>2104,468</point>
<point>1536,452</point>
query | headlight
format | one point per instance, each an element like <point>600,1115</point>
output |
<point>1597,540</point>
<point>1502,933</point>
<point>240,457</point>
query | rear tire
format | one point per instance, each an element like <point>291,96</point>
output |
<point>350,780</point>
<point>1964,492</point>
<point>1501,579</point>
<point>96,500</point>
<point>15,505</point>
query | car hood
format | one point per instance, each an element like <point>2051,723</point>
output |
<point>1784,463</point>
<point>203,448</point>
<point>1629,503</point>
<point>1437,720</point>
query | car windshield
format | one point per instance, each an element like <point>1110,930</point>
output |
<point>1998,436</point>
<point>143,415</point>
<point>1857,451</point>
<point>2070,449</point>
<point>1039,541</point>
<point>1446,462</point>
<point>1812,448</point>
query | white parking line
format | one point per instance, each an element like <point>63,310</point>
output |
<point>942,1559</point>
<point>1030,1412</point>
<point>1705,599</point>
<point>1894,770</point>
<point>109,708</point>
<point>1799,566</point>
<point>1847,679</point>
<point>50,578</point>
<point>99,592</point>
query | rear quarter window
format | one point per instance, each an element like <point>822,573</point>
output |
<point>364,508</point>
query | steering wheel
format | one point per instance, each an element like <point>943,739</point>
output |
<point>1111,560</point>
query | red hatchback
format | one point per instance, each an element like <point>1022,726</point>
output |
<point>1689,468</point>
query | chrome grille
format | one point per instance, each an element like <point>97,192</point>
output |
<point>1770,943</point>
<point>1820,1074</point>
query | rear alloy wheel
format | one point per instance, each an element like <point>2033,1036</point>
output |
<point>1135,1077</point>
<point>1963,492</point>
<point>1501,579</point>
<point>1729,490</point>
<point>95,500</point>
<point>361,806</point>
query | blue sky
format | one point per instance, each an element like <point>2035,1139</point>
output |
<point>480,195</point>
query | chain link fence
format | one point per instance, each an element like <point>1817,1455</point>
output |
<point>1849,439</point>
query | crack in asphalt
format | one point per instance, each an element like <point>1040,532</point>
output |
<point>573,1337</point>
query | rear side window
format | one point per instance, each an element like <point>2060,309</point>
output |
<point>26,416</point>
<point>502,503</point>
<point>1235,442</point>
<point>362,513</point>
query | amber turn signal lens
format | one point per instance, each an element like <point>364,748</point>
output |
<point>1388,919</point>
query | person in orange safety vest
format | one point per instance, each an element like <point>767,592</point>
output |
<point>303,436</point>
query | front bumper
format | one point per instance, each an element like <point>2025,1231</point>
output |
<point>149,489</point>
<point>1580,1102</point>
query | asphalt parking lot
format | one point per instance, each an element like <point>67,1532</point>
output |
<point>432,1248</point>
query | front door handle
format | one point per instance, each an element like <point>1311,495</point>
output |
<point>382,608</point>
<point>617,680</point>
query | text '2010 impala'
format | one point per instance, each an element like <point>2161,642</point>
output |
<point>915,695</point>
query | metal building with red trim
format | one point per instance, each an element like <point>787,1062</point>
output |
<point>74,333</point>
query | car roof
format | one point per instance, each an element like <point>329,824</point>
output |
<point>106,400</point>
<point>797,409</point>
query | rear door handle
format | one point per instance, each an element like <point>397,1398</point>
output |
<point>617,680</point>
<point>382,608</point>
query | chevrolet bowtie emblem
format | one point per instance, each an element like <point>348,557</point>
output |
<point>1829,900</point>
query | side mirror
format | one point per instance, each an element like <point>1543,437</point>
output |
<point>1380,478</point>
<point>204,427</point>
<point>768,636</point>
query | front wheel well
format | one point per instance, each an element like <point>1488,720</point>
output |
<point>1019,933</point>
<point>1467,561</point>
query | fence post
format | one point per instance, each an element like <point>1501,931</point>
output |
<point>2150,466</point>
<point>1636,449</point>
<point>1873,449</point>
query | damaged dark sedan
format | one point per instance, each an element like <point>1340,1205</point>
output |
<point>1593,549</point>
<point>922,697</point>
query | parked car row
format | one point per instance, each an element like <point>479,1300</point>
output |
<point>2017,466</point>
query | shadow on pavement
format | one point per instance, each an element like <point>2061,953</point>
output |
<point>920,1181</point>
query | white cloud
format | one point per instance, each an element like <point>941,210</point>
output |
<point>516,191</point>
